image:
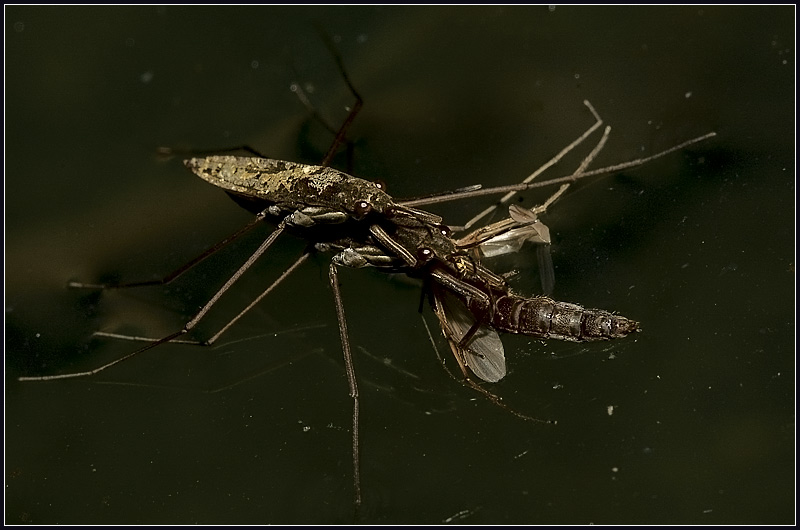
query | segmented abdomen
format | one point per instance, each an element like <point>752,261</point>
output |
<point>547,318</point>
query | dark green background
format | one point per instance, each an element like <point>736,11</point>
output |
<point>698,246</point>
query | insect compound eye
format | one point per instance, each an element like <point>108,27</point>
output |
<point>445,230</point>
<point>381,185</point>
<point>424,254</point>
<point>362,208</point>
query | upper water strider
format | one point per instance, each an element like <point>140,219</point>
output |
<point>289,184</point>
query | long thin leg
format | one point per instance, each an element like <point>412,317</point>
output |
<point>451,195</point>
<point>509,234</point>
<point>171,276</point>
<point>507,197</point>
<point>225,328</point>
<point>189,325</point>
<point>399,250</point>
<point>167,151</point>
<point>481,235</point>
<point>306,101</point>
<point>340,136</point>
<point>435,199</point>
<point>333,275</point>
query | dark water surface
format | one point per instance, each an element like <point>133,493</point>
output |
<point>699,247</point>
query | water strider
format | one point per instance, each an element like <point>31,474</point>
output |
<point>362,225</point>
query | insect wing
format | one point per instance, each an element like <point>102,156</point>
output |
<point>521,226</point>
<point>506,243</point>
<point>546,270</point>
<point>483,354</point>
<point>534,230</point>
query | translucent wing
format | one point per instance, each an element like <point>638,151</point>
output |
<point>530,227</point>
<point>537,233</point>
<point>508,235</point>
<point>546,270</point>
<point>483,353</point>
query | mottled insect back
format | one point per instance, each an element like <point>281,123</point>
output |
<point>291,185</point>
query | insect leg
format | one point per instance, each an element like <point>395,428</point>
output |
<point>471,191</point>
<point>225,328</point>
<point>507,197</point>
<point>521,225</point>
<point>171,276</point>
<point>460,287</point>
<point>508,235</point>
<point>434,199</point>
<point>399,250</point>
<point>340,136</point>
<point>333,276</point>
<point>581,168</point>
<point>188,326</point>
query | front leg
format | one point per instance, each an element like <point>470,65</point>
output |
<point>314,215</point>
